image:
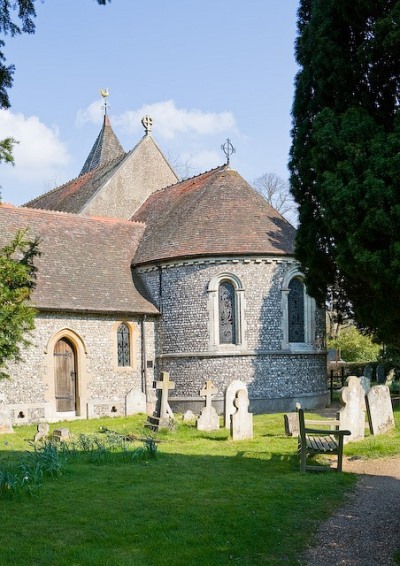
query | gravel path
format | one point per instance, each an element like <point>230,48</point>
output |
<point>366,530</point>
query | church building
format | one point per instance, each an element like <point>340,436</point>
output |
<point>141,273</point>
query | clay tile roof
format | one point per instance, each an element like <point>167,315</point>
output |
<point>84,263</point>
<point>106,148</point>
<point>74,195</point>
<point>216,213</point>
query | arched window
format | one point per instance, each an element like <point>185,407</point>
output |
<point>227,313</point>
<point>226,307</point>
<point>123,343</point>
<point>296,311</point>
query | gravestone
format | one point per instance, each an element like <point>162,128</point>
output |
<point>163,410</point>
<point>208,419</point>
<point>292,427</point>
<point>368,371</point>
<point>5,424</point>
<point>188,416</point>
<point>380,374</point>
<point>352,414</point>
<point>365,383</point>
<point>61,434</point>
<point>42,432</point>
<point>380,411</point>
<point>135,402</point>
<point>242,420</point>
<point>390,378</point>
<point>230,396</point>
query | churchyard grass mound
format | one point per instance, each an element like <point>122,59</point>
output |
<point>205,499</point>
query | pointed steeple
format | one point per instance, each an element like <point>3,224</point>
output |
<point>106,148</point>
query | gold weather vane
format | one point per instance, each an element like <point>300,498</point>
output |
<point>104,93</point>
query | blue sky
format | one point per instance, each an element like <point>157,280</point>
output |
<point>205,70</point>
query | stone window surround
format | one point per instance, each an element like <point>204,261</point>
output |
<point>309,315</point>
<point>133,329</point>
<point>82,378</point>
<point>213,309</point>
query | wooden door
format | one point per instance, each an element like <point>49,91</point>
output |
<point>65,376</point>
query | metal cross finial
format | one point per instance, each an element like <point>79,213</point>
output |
<point>104,93</point>
<point>147,123</point>
<point>228,149</point>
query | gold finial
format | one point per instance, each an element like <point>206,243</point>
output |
<point>104,93</point>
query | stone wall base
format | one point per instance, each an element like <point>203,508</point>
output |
<point>257,406</point>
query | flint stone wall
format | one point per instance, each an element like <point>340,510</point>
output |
<point>180,291</point>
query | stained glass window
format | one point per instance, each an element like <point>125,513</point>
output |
<point>124,357</point>
<point>296,311</point>
<point>227,318</point>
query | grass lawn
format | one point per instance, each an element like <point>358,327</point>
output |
<point>204,500</point>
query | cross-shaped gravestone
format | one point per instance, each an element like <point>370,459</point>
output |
<point>352,414</point>
<point>242,420</point>
<point>164,385</point>
<point>208,419</point>
<point>208,391</point>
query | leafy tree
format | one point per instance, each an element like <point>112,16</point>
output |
<point>354,346</point>
<point>276,191</point>
<point>17,278</point>
<point>345,157</point>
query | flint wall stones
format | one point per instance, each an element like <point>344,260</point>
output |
<point>180,291</point>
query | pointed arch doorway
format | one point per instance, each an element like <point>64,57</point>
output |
<point>65,377</point>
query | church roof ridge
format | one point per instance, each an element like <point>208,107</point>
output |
<point>214,170</point>
<point>78,178</point>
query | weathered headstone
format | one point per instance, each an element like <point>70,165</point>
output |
<point>61,434</point>
<point>242,420</point>
<point>230,396</point>
<point>5,424</point>
<point>292,427</point>
<point>368,371</point>
<point>390,378</point>
<point>208,419</point>
<point>365,383</point>
<point>135,402</point>
<point>380,411</point>
<point>380,374</point>
<point>352,414</point>
<point>42,432</point>
<point>188,416</point>
<point>165,412</point>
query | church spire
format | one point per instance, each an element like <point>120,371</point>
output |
<point>106,147</point>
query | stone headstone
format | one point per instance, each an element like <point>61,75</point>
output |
<point>380,374</point>
<point>61,434</point>
<point>368,371</point>
<point>163,409</point>
<point>380,411</point>
<point>5,424</point>
<point>352,414</point>
<point>390,378</point>
<point>42,432</point>
<point>230,396</point>
<point>208,419</point>
<point>365,383</point>
<point>242,420</point>
<point>188,416</point>
<point>291,421</point>
<point>135,402</point>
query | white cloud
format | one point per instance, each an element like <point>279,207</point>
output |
<point>202,160</point>
<point>39,153</point>
<point>93,114</point>
<point>168,119</point>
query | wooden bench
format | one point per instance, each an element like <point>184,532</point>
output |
<point>313,441</point>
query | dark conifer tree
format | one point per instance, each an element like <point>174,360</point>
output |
<point>345,157</point>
